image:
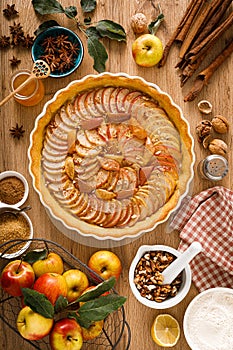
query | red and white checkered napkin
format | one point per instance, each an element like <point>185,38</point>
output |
<point>208,218</point>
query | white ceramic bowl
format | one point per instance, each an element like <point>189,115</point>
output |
<point>26,245</point>
<point>11,173</point>
<point>186,279</point>
<point>208,320</point>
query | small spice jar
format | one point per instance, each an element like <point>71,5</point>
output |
<point>13,188</point>
<point>32,93</point>
<point>213,167</point>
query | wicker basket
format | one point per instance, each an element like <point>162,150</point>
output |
<point>116,331</point>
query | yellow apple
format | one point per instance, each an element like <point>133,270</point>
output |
<point>93,331</point>
<point>147,50</point>
<point>76,282</point>
<point>106,264</point>
<point>52,263</point>
<point>33,326</point>
<point>66,334</point>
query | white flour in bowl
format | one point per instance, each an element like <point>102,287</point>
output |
<point>209,319</point>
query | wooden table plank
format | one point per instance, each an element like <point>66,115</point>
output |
<point>14,153</point>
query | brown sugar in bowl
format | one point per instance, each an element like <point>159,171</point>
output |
<point>13,188</point>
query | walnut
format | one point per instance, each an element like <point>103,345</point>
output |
<point>205,107</point>
<point>218,146</point>
<point>203,129</point>
<point>139,23</point>
<point>220,124</point>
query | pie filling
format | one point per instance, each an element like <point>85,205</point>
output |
<point>111,157</point>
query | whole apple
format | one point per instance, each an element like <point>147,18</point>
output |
<point>93,331</point>
<point>52,263</point>
<point>66,334</point>
<point>52,285</point>
<point>17,275</point>
<point>33,326</point>
<point>77,282</point>
<point>106,264</point>
<point>147,50</point>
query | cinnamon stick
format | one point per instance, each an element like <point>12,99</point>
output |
<point>190,69</point>
<point>200,49</point>
<point>192,7</point>
<point>204,77</point>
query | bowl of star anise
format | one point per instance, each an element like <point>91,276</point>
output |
<point>61,48</point>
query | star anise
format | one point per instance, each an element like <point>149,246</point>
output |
<point>17,34</point>
<point>4,41</point>
<point>61,41</point>
<point>17,131</point>
<point>10,11</point>
<point>14,61</point>
<point>27,41</point>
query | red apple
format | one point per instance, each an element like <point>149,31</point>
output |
<point>106,264</point>
<point>33,326</point>
<point>66,334</point>
<point>52,285</point>
<point>147,50</point>
<point>77,282</point>
<point>16,275</point>
<point>93,331</point>
<point>52,263</point>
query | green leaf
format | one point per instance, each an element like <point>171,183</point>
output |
<point>88,5</point>
<point>71,11</point>
<point>38,302</point>
<point>61,304</point>
<point>96,49</point>
<point>82,321</point>
<point>110,29</point>
<point>103,287</point>
<point>154,25</point>
<point>98,309</point>
<point>35,255</point>
<point>45,7</point>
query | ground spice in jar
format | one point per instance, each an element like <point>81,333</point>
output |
<point>13,227</point>
<point>11,190</point>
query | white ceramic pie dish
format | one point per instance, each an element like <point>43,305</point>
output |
<point>87,233</point>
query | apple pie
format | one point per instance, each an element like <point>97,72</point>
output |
<point>111,156</point>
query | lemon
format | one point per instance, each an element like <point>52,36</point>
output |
<point>165,330</point>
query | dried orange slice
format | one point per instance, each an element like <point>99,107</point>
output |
<point>165,330</point>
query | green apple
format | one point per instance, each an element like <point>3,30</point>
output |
<point>106,264</point>
<point>33,326</point>
<point>76,282</point>
<point>66,334</point>
<point>147,50</point>
<point>52,263</point>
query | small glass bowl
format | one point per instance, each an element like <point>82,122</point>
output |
<point>11,173</point>
<point>38,49</point>
<point>182,292</point>
<point>3,252</point>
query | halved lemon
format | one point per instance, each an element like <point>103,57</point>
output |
<point>165,330</point>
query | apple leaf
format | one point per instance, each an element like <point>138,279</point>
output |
<point>45,25</point>
<point>45,7</point>
<point>98,309</point>
<point>101,288</point>
<point>88,5</point>
<point>61,304</point>
<point>82,321</point>
<point>35,255</point>
<point>71,11</point>
<point>96,49</point>
<point>38,302</point>
<point>110,29</point>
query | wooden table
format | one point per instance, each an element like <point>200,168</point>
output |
<point>14,152</point>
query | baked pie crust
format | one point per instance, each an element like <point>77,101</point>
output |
<point>111,156</point>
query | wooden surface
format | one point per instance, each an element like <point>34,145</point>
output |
<point>14,153</point>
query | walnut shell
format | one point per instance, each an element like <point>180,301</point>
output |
<point>218,146</point>
<point>139,23</point>
<point>205,107</point>
<point>220,124</point>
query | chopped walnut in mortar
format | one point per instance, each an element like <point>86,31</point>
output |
<point>148,276</point>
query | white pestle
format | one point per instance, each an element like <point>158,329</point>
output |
<point>173,270</point>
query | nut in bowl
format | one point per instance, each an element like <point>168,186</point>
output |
<point>14,226</point>
<point>146,279</point>
<point>61,48</point>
